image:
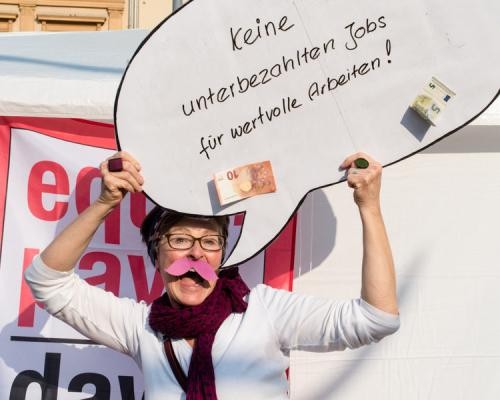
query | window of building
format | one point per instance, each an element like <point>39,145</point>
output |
<point>8,15</point>
<point>55,19</point>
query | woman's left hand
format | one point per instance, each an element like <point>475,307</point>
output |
<point>366,182</point>
<point>378,276</point>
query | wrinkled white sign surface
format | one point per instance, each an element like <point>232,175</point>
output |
<point>301,83</point>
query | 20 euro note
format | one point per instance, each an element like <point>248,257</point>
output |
<point>245,181</point>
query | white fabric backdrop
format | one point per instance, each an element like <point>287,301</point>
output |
<point>441,211</point>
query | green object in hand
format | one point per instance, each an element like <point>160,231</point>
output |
<point>361,163</point>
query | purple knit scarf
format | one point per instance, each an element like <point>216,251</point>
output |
<point>201,322</point>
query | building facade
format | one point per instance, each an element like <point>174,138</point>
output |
<point>82,15</point>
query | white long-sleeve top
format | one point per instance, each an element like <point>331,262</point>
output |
<point>250,351</point>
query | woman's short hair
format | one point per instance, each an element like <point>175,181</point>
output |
<point>159,220</point>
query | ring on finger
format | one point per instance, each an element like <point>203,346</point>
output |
<point>115,164</point>
<point>361,163</point>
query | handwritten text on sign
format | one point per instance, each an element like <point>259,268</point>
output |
<point>241,37</point>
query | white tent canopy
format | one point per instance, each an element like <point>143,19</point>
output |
<point>73,74</point>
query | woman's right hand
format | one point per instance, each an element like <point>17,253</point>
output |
<point>115,185</point>
<point>68,246</point>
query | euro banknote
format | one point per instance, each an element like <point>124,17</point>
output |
<point>245,181</point>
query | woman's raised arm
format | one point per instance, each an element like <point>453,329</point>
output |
<point>378,275</point>
<point>66,249</point>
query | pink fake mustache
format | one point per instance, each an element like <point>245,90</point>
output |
<point>183,265</point>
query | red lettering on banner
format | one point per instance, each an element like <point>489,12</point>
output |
<point>239,218</point>
<point>26,301</point>
<point>36,189</point>
<point>138,269</point>
<point>137,208</point>
<point>82,196</point>
<point>112,227</point>
<point>83,186</point>
<point>110,278</point>
<point>279,259</point>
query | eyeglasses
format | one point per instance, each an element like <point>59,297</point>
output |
<point>183,241</point>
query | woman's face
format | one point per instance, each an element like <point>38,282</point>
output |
<point>189,289</point>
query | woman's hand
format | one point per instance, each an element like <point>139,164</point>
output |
<point>68,246</point>
<point>366,182</point>
<point>115,185</point>
<point>378,278</point>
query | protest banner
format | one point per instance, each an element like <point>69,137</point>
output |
<point>48,175</point>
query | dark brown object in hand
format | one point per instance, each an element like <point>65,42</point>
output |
<point>115,164</point>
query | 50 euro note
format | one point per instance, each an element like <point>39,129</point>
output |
<point>244,182</point>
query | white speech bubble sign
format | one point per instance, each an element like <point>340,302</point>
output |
<point>301,83</point>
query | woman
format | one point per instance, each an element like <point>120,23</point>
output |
<point>230,342</point>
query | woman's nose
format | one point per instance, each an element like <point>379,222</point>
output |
<point>196,251</point>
